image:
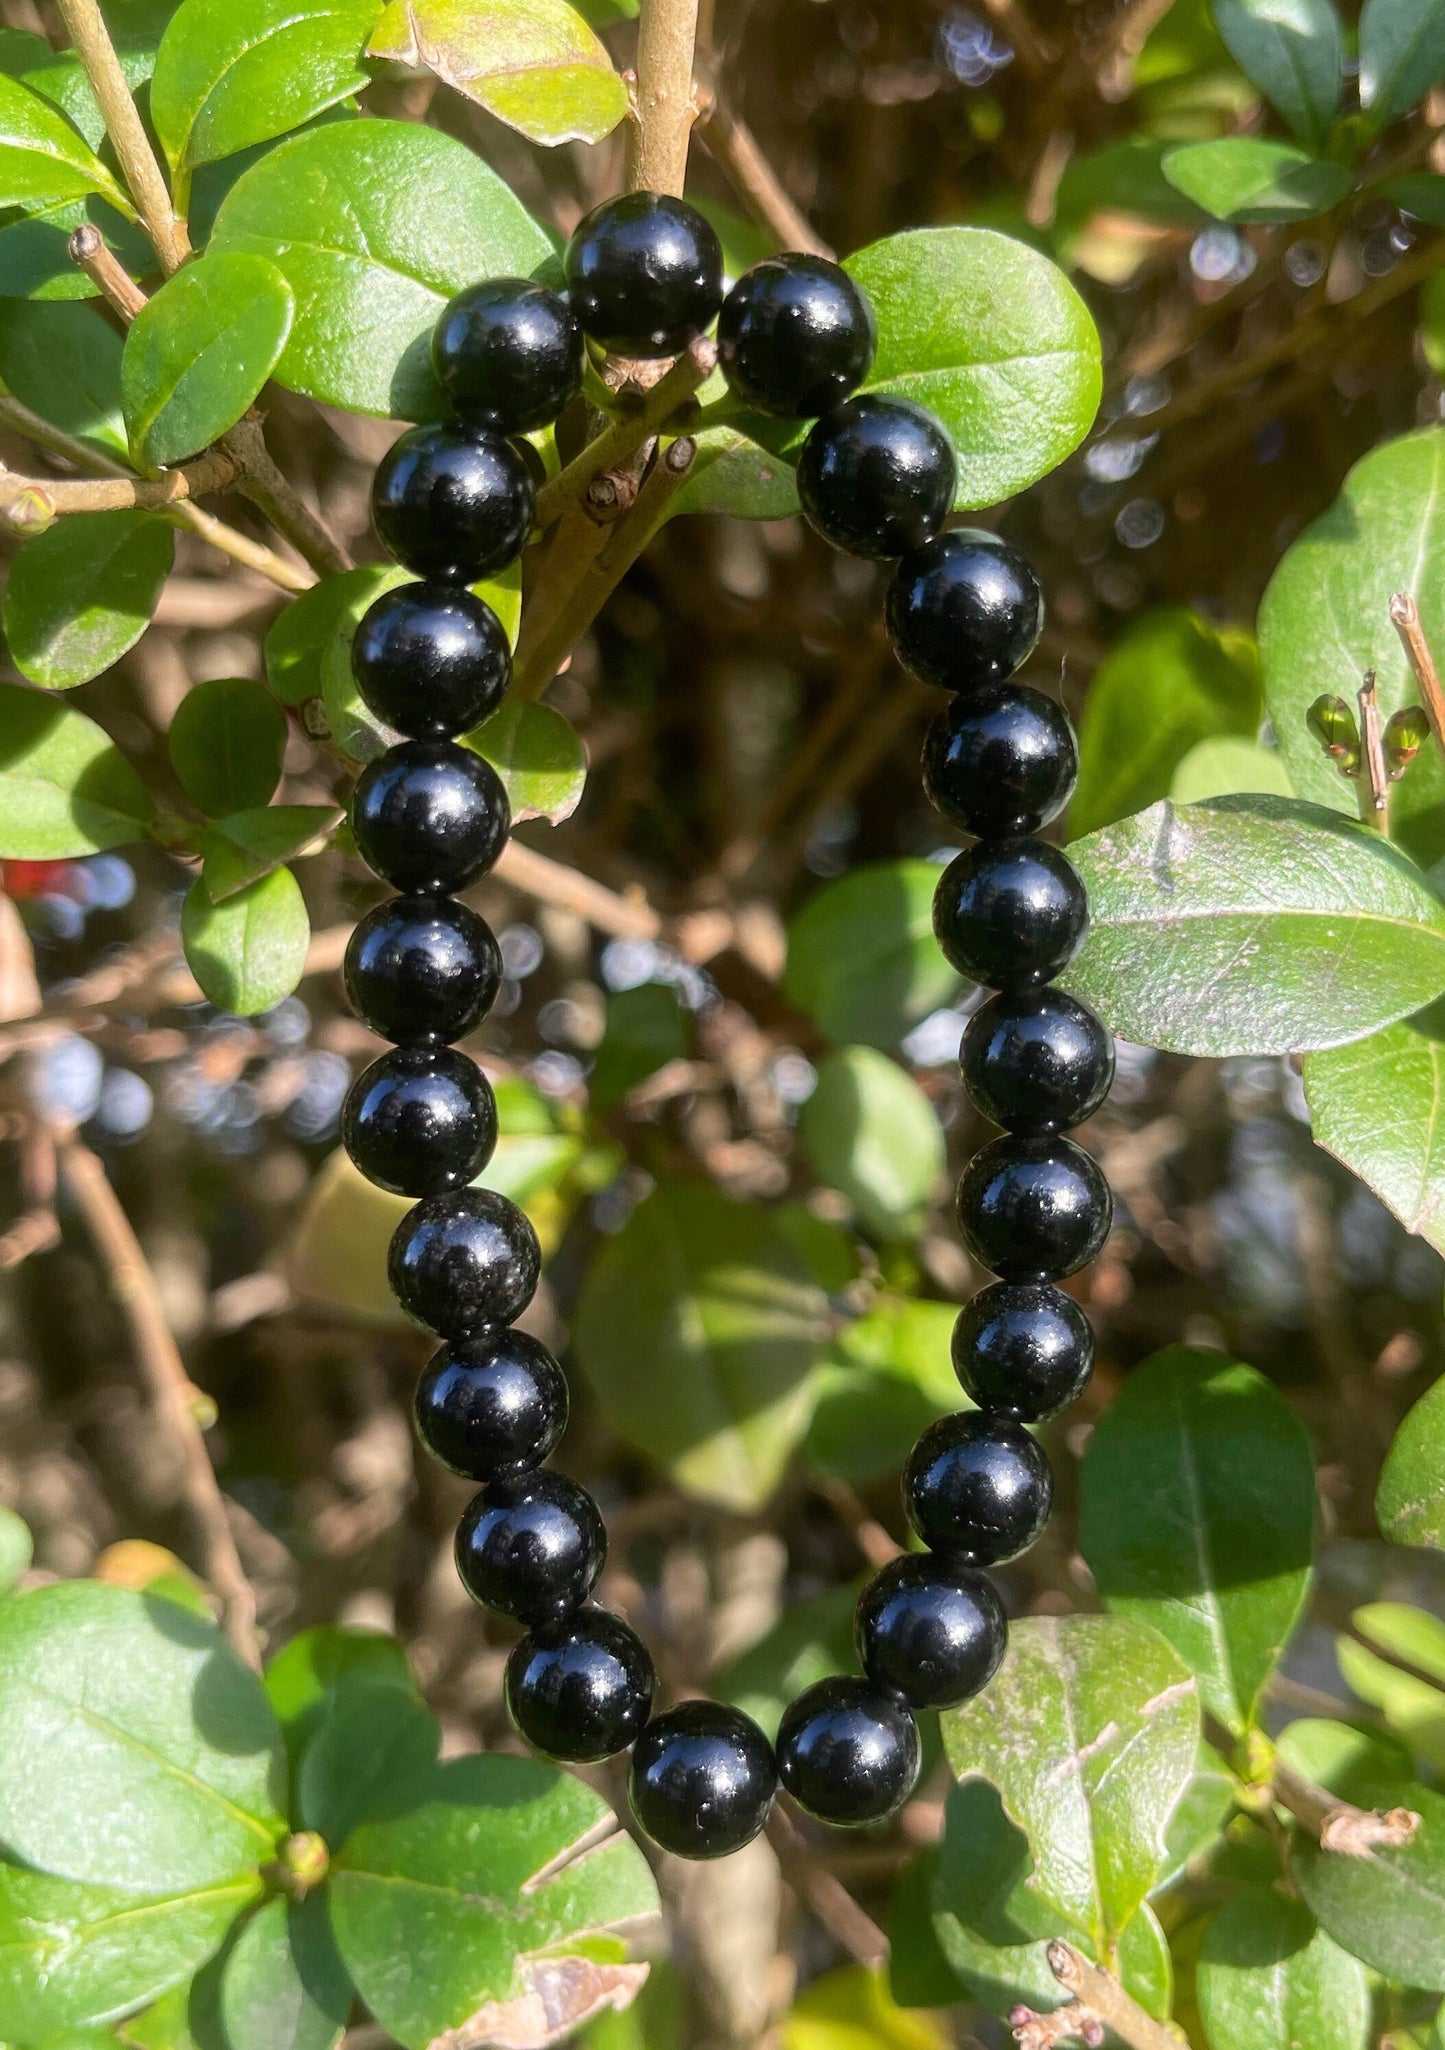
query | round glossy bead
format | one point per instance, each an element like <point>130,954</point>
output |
<point>429,816</point>
<point>431,659</point>
<point>977,1488</point>
<point>795,336</point>
<point>420,1120</point>
<point>1033,1209</point>
<point>531,1547</point>
<point>581,1689</point>
<point>463,1260</point>
<point>493,1405</point>
<point>1022,1349</point>
<point>1000,760</point>
<point>847,1752</point>
<point>876,476</point>
<point>644,274</point>
<point>508,355</point>
<point>965,609</point>
<point>452,503</point>
<point>1010,912</point>
<point>1037,1060</point>
<point>703,1779</point>
<point>422,969</point>
<point>930,1631</point>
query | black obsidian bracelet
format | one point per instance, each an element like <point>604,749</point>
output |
<point>453,503</point>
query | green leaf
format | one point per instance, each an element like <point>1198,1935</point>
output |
<point>249,951</point>
<point>65,787</point>
<point>1197,1515</point>
<point>886,1378</point>
<point>1075,1697</point>
<point>1170,681</point>
<point>1199,1816</point>
<point>645,1029</point>
<point>990,336</point>
<point>1325,620</point>
<point>699,1327</point>
<point>853,2005</point>
<point>731,474</point>
<point>35,250</point>
<point>1422,195</point>
<point>1376,1105</point>
<point>812,1640</point>
<point>1386,1906</point>
<point>226,742</point>
<point>1411,1499</point>
<point>282,1985</point>
<point>299,636</point>
<point>1351,1763</point>
<point>43,160</point>
<point>539,758</point>
<point>1270,1979</point>
<point>1250,178</point>
<point>17,1548</point>
<point>1294,52</point>
<point>535,64</point>
<point>126,1710</point>
<point>83,592</point>
<point>874,1135</point>
<point>1402,55</point>
<point>250,844</point>
<point>1229,767</point>
<point>308,1670</point>
<point>488,1905</point>
<point>199,352</point>
<point>1413,1710</point>
<point>369,1737</point>
<point>228,77</point>
<point>862,959</point>
<point>63,361</point>
<point>348,213</point>
<point>1255,925</point>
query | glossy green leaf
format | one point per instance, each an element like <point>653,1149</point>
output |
<point>282,1985</point>
<point>1386,1906</point>
<point>862,959</point>
<point>1229,767</point>
<point>645,1029</point>
<point>991,337</point>
<point>1411,1499</point>
<point>734,476</point>
<point>886,1377</point>
<point>873,1134</point>
<point>1376,1105</point>
<point>63,361</point>
<point>1413,1710</point>
<point>1170,681</point>
<point>226,742</point>
<point>248,951</point>
<point>1402,55</point>
<point>65,787</point>
<point>310,1668</point>
<point>198,353</point>
<point>535,64</point>
<point>1249,178</point>
<point>539,758</point>
<point>1294,52</point>
<point>43,159</point>
<point>811,1640</point>
<point>1253,925</point>
<point>1270,1979</point>
<point>60,76</point>
<point>17,1548</point>
<point>369,1737</point>
<point>239,850</point>
<point>348,213</point>
<point>298,637</point>
<point>1199,1815</point>
<point>1197,1516</point>
<point>83,592</point>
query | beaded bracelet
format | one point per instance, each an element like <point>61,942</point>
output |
<point>453,503</point>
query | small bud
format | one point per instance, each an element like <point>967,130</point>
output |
<point>1332,723</point>
<point>303,1863</point>
<point>30,512</point>
<point>1405,734</point>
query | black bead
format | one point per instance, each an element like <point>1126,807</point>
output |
<point>1010,912</point>
<point>431,659</point>
<point>420,1120</point>
<point>876,476</point>
<point>493,1405</point>
<point>422,969</point>
<point>452,503</point>
<point>644,274</point>
<point>930,1631</point>
<point>463,1260</point>
<point>795,336</point>
<point>429,816</point>
<point>1033,1209</point>
<point>580,1689</point>
<point>508,355</point>
<point>703,1779</point>
<point>964,610</point>
<point>531,1547</point>
<point>1022,1349</point>
<point>848,1752</point>
<point>977,1489</point>
<point>1037,1060</point>
<point>1000,760</point>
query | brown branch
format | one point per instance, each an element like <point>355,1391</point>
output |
<point>89,251</point>
<point>1405,618</point>
<point>28,502</point>
<point>87,30</point>
<point>1374,782</point>
<point>733,146</point>
<point>1099,2004</point>
<point>1340,1826</point>
<point>647,415</point>
<point>552,882</point>
<point>850,1926</point>
<point>663,107</point>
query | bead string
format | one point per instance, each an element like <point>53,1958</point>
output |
<point>453,503</point>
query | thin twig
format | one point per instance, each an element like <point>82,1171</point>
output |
<point>663,105</point>
<point>1340,1826</point>
<point>625,435</point>
<point>732,144</point>
<point>148,188</point>
<point>1405,618</point>
<point>850,1926</point>
<point>552,882</point>
<point>25,501</point>
<point>266,486</point>
<point>1099,2003</point>
<point>1374,783</point>
<point>90,252</point>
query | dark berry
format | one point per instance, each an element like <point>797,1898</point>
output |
<point>429,816</point>
<point>1022,1349</point>
<point>876,476</point>
<point>420,1120</point>
<point>431,659</point>
<point>452,503</point>
<point>508,355</point>
<point>1037,1060</point>
<point>422,969</point>
<point>703,1779</point>
<point>847,1752</point>
<point>977,1488</point>
<point>492,1405</point>
<point>795,336</point>
<point>930,1631</point>
<point>581,1689</point>
<point>644,274</point>
<point>964,609</point>
<point>531,1547</point>
<point>1000,760</point>
<point>1033,1209</point>
<point>1010,912</point>
<point>463,1260</point>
